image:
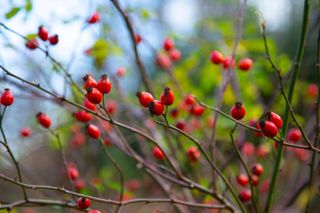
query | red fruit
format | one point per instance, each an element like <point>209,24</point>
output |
<point>107,141</point>
<point>175,55</point>
<point>189,100</point>
<point>197,110</point>
<point>269,129</point>
<point>245,195</point>
<point>242,179</point>
<point>43,33</point>
<point>25,132</point>
<point>73,172</point>
<point>137,39</point>
<point>248,149</point>
<point>82,116</point>
<point>7,97</point>
<point>94,95</point>
<point>312,90</point>
<point>156,107</point>
<point>145,98</point>
<point>265,186</point>
<point>163,61</point>
<point>111,106</point>
<point>245,64</point>
<point>216,57</point>
<point>274,118</point>
<point>133,185</point>
<point>174,113</point>
<point>181,125</point>
<point>104,85</point>
<point>238,111</point>
<point>54,39</point>
<point>88,81</point>
<point>301,154</point>
<point>262,151</point>
<point>32,44</point>
<point>257,169</point>
<point>255,180</point>
<point>93,131</point>
<point>94,211</point>
<point>227,61</point>
<point>193,154</point>
<point>294,134</point>
<point>94,18</point>
<point>121,71</point>
<point>44,120</point>
<point>83,203</point>
<point>79,184</point>
<point>168,44</point>
<point>89,105</point>
<point>167,97</point>
<point>157,153</point>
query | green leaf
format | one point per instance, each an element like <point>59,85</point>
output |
<point>31,36</point>
<point>12,12</point>
<point>28,6</point>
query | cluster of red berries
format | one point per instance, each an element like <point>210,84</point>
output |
<point>95,90</point>
<point>271,124</point>
<point>43,34</point>
<point>217,57</point>
<point>164,60</point>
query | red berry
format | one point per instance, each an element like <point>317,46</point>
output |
<point>193,154</point>
<point>238,111</point>
<point>79,184</point>
<point>255,180</point>
<point>242,179</point>
<point>94,18</point>
<point>257,169</point>
<point>121,71</point>
<point>43,33</point>
<point>269,129</point>
<point>245,64</point>
<point>227,61</point>
<point>89,105</point>
<point>94,211</point>
<point>104,85</point>
<point>245,195</point>
<point>294,134</point>
<point>73,172</point>
<point>137,39</point>
<point>181,125</point>
<point>111,106</point>
<point>93,131</point>
<point>167,97</point>
<point>25,132</point>
<point>145,98</point>
<point>216,57</point>
<point>32,44</point>
<point>158,153</point>
<point>274,118</point>
<point>94,95</point>
<point>107,141</point>
<point>44,120</point>
<point>262,151</point>
<point>7,97</point>
<point>248,149</point>
<point>189,100</point>
<point>82,116</point>
<point>312,90</point>
<point>83,203</point>
<point>174,113</point>
<point>197,110</point>
<point>54,39</point>
<point>163,61</point>
<point>156,107</point>
<point>175,55</point>
<point>168,44</point>
<point>88,81</point>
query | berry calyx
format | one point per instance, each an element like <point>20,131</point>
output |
<point>7,97</point>
<point>227,62</point>
<point>94,18</point>
<point>294,134</point>
<point>216,57</point>
<point>156,107</point>
<point>25,132</point>
<point>193,154</point>
<point>269,129</point>
<point>94,95</point>
<point>245,64</point>
<point>43,33</point>
<point>145,98</point>
<point>83,116</point>
<point>158,153</point>
<point>54,39</point>
<point>167,97</point>
<point>168,44</point>
<point>104,85</point>
<point>44,120</point>
<point>83,203</point>
<point>93,131</point>
<point>257,169</point>
<point>274,118</point>
<point>32,44</point>
<point>175,55</point>
<point>245,195</point>
<point>242,179</point>
<point>238,111</point>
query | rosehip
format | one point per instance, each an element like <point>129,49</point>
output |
<point>294,134</point>
<point>7,97</point>
<point>25,132</point>
<point>238,111</point>
<point>121,71</point>
<point>245,195</point>
<point>44,120</point>
<point>82,116</point>
<point>111,106</point>
<point>255,180</point>
<point>175,55</point>
<point>83,203</point>
<point>156,107</point>
<point>93,131</point>
<point>181,125</point>
<point>94,18</point>
<point>54,39</point>
<point>43,33</point>
<point>227,62</point>
<point>89,105</point>
<point>104,85</point>
<point>79,184</point>
<point>107,141</point>
<point>197,110</point>
<point>73,172</point>
<point>312,90</point>
<point>94,95</point>
<point>193,154</point>
<point>242,179</point>
<point>216,57</point>
<point>137,39</point>
<point>269,129</point>
<point>167,97</point>
<point>88,81</point>
<point>274,118</point>
<point>189,100</point>
<point>32,44</point>
<point>145,98</point>
<point>174,113</point>
<point>257,169</point>
<point>163,61</point>
<point>158,153</point>
<point>245,64</point>
<point>168,44</point>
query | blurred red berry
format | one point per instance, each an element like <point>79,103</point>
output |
<point>189,100</point>
<point>255,180</point>
<point>245,64</point>
<point>312,90</point>
<point>167,97</point>
<point>94,18</point>
<point>216,57</point>
<point>168,44</point>
<point>197,110</point>
<point>44,120</point>
<point>43,33</point>
<point>193,154</point>
<point>111,106</point>
<point>32,44</point>
<point>163,61</point>
<point>174,113</point>
<point>79,184</point>
<point>93,131</point>
<point>257,169</point>
<point>104,85</point>
<point>121,71</point>
<point>82,116</point>
<point>54,39</point>
<point>227,62</point>
<point>73,172</point>
<point>137,39</point>
<point>157,153</point>
<point>89,105</point>
<point>294,134</point>
<point>245,195</point>
<point>181,125</point>
<point>25,132</point>
<point>248,149</point>
<point>242,179</point>
<point>175,55</point>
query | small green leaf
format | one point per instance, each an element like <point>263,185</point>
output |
<point>12,12</point>
<point>31,36</point>
<point>28,6</point>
